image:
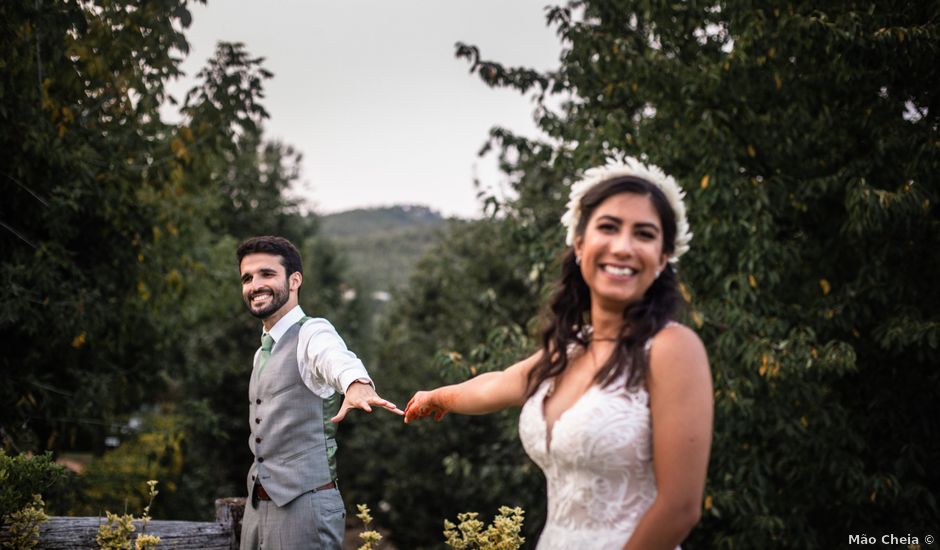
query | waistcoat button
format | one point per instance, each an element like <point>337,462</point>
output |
<point>257,421</point>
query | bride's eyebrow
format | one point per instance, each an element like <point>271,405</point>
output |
<point>609,218</point>
<point>639,225</point>
<point>648,225</point>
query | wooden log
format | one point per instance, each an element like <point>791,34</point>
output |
<point>229,512</point>
<point>74,533</point>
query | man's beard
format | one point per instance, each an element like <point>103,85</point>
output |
<point>279,297</point>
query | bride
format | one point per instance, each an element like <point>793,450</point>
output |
<point>617,403</point>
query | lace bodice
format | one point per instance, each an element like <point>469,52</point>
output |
<point>598,464</point>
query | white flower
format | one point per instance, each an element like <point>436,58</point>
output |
<point>631,167</point>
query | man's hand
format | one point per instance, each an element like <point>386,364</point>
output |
<point>361,395</point>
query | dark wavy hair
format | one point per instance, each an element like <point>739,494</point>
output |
<point>276,246</point>
<point>568,310</point>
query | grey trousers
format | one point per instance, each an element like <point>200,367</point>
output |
<point>312,521</point>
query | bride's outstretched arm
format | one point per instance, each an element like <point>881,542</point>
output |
<point>485,393</point>
<point>681,408</point>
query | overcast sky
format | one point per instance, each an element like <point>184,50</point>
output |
<point>371,93</point>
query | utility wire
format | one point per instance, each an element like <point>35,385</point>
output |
<point>17,233</point>
<point>27,189</point>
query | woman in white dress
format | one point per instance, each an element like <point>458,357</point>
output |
<point>617,404</point>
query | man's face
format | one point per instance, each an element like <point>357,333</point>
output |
<point>265,285</point>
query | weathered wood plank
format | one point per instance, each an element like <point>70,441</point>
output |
<point>230,511</point>
<point>73,533</point>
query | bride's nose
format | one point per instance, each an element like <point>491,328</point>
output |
<point>622,244</point>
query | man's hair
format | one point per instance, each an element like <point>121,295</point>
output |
<point>277,246</point>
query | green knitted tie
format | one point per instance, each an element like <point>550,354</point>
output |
<point>267,344</point>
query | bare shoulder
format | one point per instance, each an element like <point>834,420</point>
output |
<point>677,334</point>
<point>677,348</point>
<point>523,367</point>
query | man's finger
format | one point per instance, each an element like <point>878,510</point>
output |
<point>340,415</point>
<point>386,404</point>
<point>391,407</point>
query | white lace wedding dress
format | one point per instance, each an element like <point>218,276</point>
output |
<point>598,464</point>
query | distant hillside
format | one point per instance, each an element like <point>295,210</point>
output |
<point>383,244</point>
<point>370,221</point>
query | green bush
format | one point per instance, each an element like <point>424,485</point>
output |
<point>23,476</point>
<point>112,481</point>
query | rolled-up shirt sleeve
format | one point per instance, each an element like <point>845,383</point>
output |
<point>326,364</point>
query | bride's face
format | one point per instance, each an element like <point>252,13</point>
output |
<point>621,249</point>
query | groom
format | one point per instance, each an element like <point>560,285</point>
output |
<point>299,374</point>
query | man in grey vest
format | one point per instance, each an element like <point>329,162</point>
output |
<point>300,373</point>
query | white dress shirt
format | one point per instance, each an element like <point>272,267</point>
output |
<point>326,364</point>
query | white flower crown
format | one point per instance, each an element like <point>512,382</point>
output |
<point>631,167</point>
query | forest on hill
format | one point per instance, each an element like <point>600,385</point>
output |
<point>383,245</point>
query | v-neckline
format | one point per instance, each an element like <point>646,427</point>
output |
<point>550,428</point>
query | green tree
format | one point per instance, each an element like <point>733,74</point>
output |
<point>117,243</point>
<point>465,309</point>
<point>81,135</point>
<point>806,135</point>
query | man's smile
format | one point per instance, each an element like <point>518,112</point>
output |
<point>261,297</point>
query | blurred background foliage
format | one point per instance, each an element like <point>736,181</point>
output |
<point>124,324</point>
<point>806,135</point>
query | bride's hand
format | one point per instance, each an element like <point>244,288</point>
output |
<point>424,403</point>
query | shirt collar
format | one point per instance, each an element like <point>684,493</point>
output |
<point>279,328</point>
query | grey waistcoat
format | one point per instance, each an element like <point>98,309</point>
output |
<point>291,436</point>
